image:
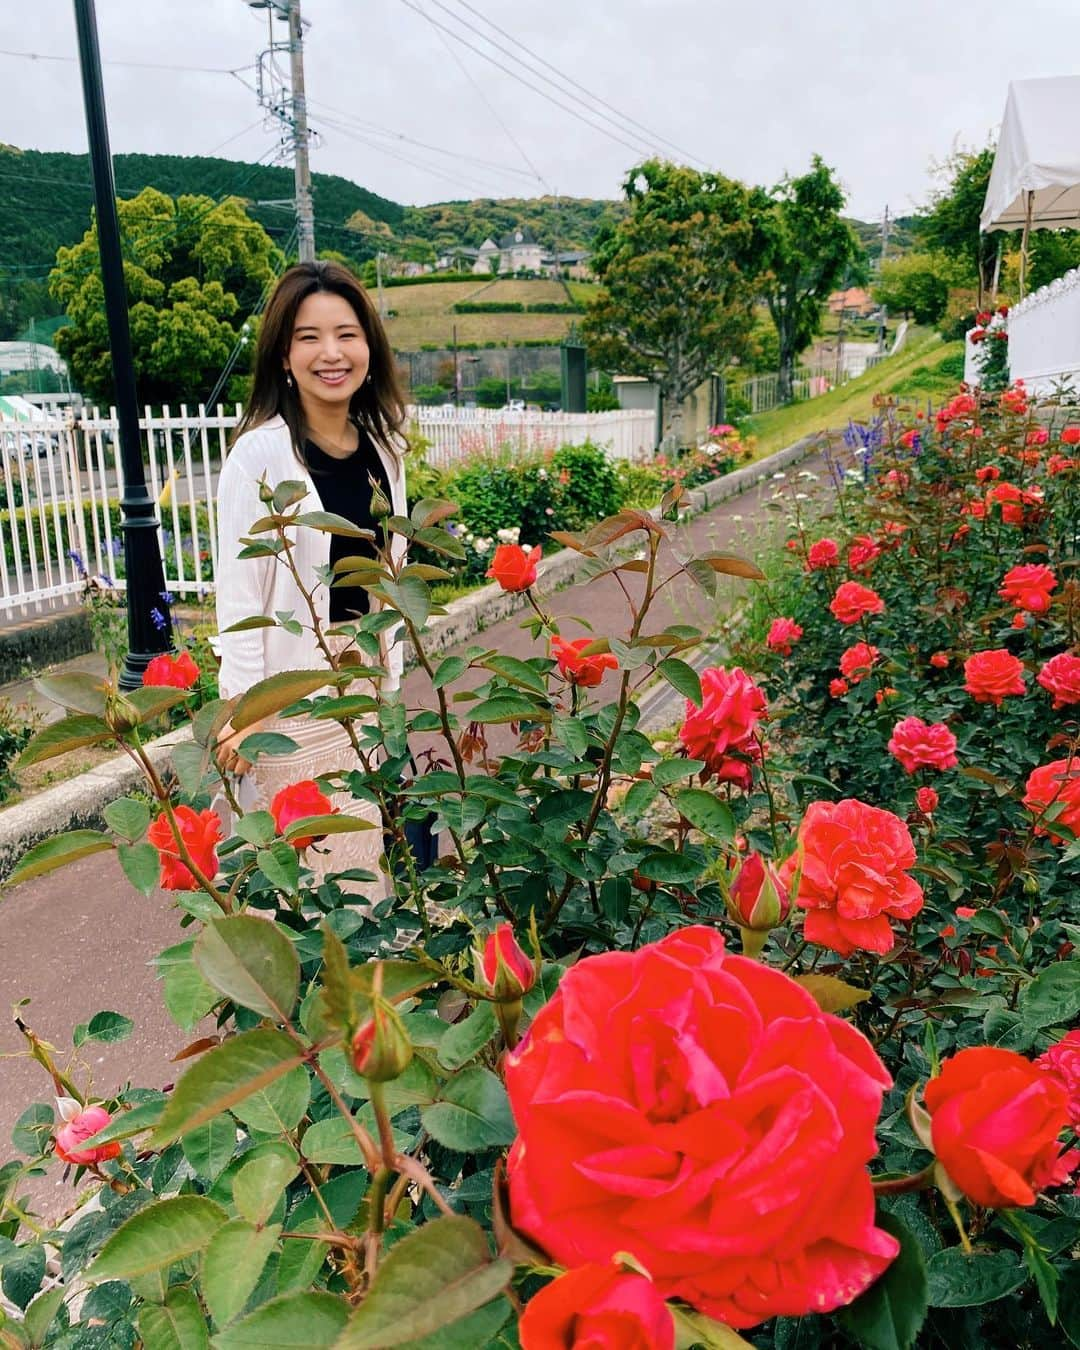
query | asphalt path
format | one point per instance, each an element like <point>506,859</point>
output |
<point>81,940</point>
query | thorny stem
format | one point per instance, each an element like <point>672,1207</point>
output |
<point>917,1181</point>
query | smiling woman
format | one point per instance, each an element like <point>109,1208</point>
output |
<point>326,412</point>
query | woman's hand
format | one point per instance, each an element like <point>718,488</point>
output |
<point>228,753</point>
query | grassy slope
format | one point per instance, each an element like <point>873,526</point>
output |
<point>425,313</point>
<point>855,400</point>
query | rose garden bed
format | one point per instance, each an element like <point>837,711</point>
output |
<point>790,1065</point>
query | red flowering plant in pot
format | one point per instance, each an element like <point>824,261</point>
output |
<point>629,1063</point>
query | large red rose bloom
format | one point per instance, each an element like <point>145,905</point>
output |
<point>854,880</point>
<point>201,833</point>
<point>1055,787</point>
<point>731,707</point>
<point>700,1112</point>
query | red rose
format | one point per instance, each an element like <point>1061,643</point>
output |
<point>823,553</point>
<point>989,677</point>
<point>838,688</point>
<point>584,671</point>
<point>597,1307</point>
<point>994,1123</point>
<point>1037,436</point>
<point>1028,587</point>
<point>731,708</point>
<point>757,898</point>
<point>864,549</point>
<point>917,744</point>
<point>910,439</point>
<point>1070,436</point>
<point>983,318</point>
<point>513,567</point>
<point>1013,501</point>
<point>508,972</point>
<point>854,859</point>
<point>883,694</point>
<point>782,636</point>
<point>1055,787</point>
<point>1060,676</point>
<point>858,661</point>
<point>853,600</point>
<point>1063,1061</point>
<point>201,833</point>
<point>664,1095</point>
<point>926,799</point>
<point>1060,464</point>
<point>940,660</point>
<point>80,1127</point>
<point>295,802</point>
<point>177,671</point>
<point>988,472</point>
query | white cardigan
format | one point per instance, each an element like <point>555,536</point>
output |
<point>265,586</point>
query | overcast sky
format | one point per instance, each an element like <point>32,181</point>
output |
<point>880,89</point>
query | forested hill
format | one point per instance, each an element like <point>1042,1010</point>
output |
<point>46,196</point>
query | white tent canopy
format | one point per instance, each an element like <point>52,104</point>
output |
<point>1038,153</point>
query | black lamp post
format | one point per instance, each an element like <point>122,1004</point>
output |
<point>149,622</point>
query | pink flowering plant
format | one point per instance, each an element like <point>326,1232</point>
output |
<point>754,1035</point>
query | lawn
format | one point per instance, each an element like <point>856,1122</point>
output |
<point>424,314</point>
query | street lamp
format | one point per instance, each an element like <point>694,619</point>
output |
<point>149,622</point>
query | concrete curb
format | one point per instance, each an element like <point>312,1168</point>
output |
<point>78,803</point>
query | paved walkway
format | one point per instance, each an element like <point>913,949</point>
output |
<point>80,940</point>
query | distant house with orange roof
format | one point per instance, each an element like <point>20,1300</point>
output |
<point>854,303</point>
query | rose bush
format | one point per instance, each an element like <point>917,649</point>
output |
<point>690,1133</point>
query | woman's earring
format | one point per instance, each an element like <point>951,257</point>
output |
<point>368,380</point>
<point>288,378</point>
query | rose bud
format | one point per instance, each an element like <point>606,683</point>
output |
<point>80,1122</point>
<point>758,899</point>
<point>508,974</point>
<point>381,1049</point>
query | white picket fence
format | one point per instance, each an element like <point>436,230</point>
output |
<point>62,482</point>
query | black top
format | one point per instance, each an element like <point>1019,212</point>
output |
<point>344,489</point>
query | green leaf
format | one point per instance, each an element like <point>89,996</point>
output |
<point>1045,1277</point>
<point>337,1000</point>
<point>832,995</point>
<point>40,1314</point>
<point>959,1281</point>
<point>266,743</point>
<point>106,1027</point>
<point>474,1113</point>
<point>154,700</point>
<point>276,693</point>
<point>232,1264</point>
<point>256,827</point>
<point>128,817</point>
<point>330,523</point>
<point>287,493</point>
<point>77,690</point>
<point>278,1106</point>
<point>671,770</point>
<point>890,1313</point>
<point>732,565</point>
<point>57,851</point>
<point>127,1123</point>
<point>141,865</point>
<point>570,732</point>
<point>672,869</point>
<point>411,597</point>
<point>305,1321</point>
<point>640,797</point>
<point>251,962</point>
<point>1053,997</point>
<point>176,1324</point>
<point>507,706</point>
<point>332,1141</point>
<point>209,1149</point>
<point>467,1038</point>
<point>694,1329</point>
<point>22,1272</point>
<point>252,621</point>
<point>431,1279</point>
<point>449,669</point>
<point>155,1237</point>
<point>259,1183</point>
<point>682,678</point>
<point>518,672</point>
<point>70,733</point>
<point>706,812</point>
<point>280,866</point>
<point>224,1078</point>
<point>191,763</point>
<point>187,995</point>
<point>33,1129</point>
<point>340,823</point>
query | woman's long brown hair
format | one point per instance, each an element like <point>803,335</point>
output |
<point>378,406</point>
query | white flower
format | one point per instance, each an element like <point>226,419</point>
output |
<point>509,536</point>
<point>802,496</point>
<point>779,474</point>
<point>542,473</point>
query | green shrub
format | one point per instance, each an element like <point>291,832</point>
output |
<point>591,491</point>
<point>15,731</point>
<point>489,307</point>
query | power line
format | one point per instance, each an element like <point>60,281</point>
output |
<point>134,65</point>
<point>352,134</point>
<point>623,117</point>
<point>514,75</point>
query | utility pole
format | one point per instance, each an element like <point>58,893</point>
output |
<point>289,110</point>
<point>305,215</point>
<point>142,556</point>
<point>884,238</point>
<point>378,282</point>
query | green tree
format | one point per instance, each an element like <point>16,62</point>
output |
<point>195,271</point>
<point>676,275</point>
<point>1052,254</point>
<point>951,224</point>
<point>916,284</point>
<point>809,250</point>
